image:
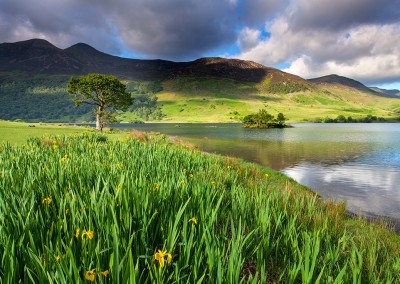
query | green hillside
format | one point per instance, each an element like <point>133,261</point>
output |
<point>34,74</point>
<point>191,99</point>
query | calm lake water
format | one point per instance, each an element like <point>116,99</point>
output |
<point>359,163</point>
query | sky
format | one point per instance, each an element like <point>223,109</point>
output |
<point>359,39</point>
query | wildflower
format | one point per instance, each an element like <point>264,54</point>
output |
<point>229,167</point>
<point>155,186</point>
<point>159,256</point>
<point>266,175</point>
<point>77,233</point>
<point>213,183</point>
<point>190,175</point>
<point>87,233</point>
<point>58,258</point>
<point>118,187</point>
<point>105,273</point>
<point>89,275</point>
<point>183,182</point>
<point>184,171</point>
<point>46,200</point>
<point>63,159</point>
<point>194,220</point>
<point>119,166</point>
<point>55,147</point>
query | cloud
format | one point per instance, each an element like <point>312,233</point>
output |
<point>248,38</point>
<point>357,39</point>
<point>61,22</point>
<point>168,29</point>
<point>180,29</point>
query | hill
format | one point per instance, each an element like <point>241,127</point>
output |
<point>390,93</point>
<point>341,82</point>
<point>34,73</point>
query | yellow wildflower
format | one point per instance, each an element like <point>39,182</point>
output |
<point>46,200</point>
<point>58,258</point>
<point>118,187</point>
<point>87,233</point>
<point>160,255</point>
<point>55,146</point>
<point>213,183</point>
<point>155,186</point>
<point>105,273</point>
<point>266,175</point>
<point>63,159</point>
<point>89,275</point>
<point>184,171</point>
<point>229,167</point>
<point>119,166</point>
<point>77,233</point>
<point>190,175</point>
<point>194,220</point>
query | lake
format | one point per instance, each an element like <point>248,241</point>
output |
<point>359,163</point>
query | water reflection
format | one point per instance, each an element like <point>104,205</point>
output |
<point>359,163</point>
<point>366,188</point>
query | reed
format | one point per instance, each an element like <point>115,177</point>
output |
<point>82,208</point>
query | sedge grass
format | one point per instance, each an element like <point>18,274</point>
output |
<point>81,208</point>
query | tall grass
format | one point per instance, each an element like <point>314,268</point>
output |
<point>82,208</point>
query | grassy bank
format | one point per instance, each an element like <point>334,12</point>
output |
<point>17,133</point>
<point>141,209</point>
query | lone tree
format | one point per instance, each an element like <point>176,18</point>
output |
<point>105,92</point>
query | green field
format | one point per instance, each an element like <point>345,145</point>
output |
<point>141,209</point>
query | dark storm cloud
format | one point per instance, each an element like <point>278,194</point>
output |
<point>340,14</point>
<point>179,29</point>
<point>255,12</point>
<point>171,29</point>
<point>61,22</point>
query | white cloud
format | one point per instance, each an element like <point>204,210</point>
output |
<point>248,38</point>
<point>368,52</point>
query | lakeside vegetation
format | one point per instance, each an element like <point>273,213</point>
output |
<point>262,119</point>
<point>342,119</point>
<point>143,209</point>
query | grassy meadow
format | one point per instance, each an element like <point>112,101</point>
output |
<point>140,209</point>
<point>220,100</point>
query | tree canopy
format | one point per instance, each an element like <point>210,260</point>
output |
<point>263,119</point>
<point>105,92</point>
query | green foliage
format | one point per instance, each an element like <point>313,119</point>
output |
<point>144,99</point>
<point>144,87</point>
<point>105,92</point>
<point>283,87</point>
<point>72,207</point>
<point>342,119</point>
<point>38,98</point>
<point>263,119</point>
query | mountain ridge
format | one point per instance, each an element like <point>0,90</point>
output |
<point>38,56</point>
<point>34,73</point>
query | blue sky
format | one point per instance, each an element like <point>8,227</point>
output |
<point>310,38</point>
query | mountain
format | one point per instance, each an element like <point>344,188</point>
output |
<point>37,56</point>
<point>34,74</point>
<point>390,93</point>
<point>343,82</point>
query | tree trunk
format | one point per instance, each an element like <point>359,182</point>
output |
<point>99,118</point>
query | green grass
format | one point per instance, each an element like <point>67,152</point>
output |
<point>17,133</point>
<point>137,196</point>
<point>211,100</point>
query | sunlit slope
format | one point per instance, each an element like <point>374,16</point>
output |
<point>221,100</point>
